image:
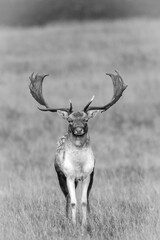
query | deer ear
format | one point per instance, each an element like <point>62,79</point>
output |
<point>92,113</point>
<point>63,114</point>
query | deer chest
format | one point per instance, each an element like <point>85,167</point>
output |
<point>78,163</point>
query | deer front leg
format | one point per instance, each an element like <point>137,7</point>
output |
<point>73,201</point>
<point>84,200</point>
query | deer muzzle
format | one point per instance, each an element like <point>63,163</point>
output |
<point>79,131</point>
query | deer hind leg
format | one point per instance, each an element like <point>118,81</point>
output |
<point>71,184</point>
<point>89,189</point>
<point>86,187</point>
<point>64,188</point>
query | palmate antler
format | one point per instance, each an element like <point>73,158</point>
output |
<point>36,91</point>
<point>35,87</point>
<point>119,87</point>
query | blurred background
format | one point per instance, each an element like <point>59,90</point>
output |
<point>40,12</point>
<point>76,43</point>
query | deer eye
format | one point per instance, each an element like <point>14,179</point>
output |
<point>70,121</point>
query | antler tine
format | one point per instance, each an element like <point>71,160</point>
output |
<point>71,106</point>
<point>119,87</point>
<point>88,104</point>
<point>35,87</point>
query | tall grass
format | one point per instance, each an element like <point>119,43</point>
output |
<point>125,198</point>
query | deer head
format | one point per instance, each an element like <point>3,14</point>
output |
<point>77,120</point>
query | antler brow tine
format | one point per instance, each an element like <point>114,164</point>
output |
<point>88,104</point>
<point>71,106</point>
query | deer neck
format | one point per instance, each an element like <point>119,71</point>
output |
<point>79,141</point>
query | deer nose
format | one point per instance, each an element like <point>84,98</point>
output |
<point>79,131</point>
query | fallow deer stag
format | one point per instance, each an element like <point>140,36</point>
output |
<point>74,160</point>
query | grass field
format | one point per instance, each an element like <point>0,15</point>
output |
<point>125,198</point>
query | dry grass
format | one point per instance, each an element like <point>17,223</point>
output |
<point>125,198</point>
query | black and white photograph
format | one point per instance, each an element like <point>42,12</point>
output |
<point>79,120</point>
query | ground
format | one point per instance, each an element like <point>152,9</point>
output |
<point>125,198</point>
